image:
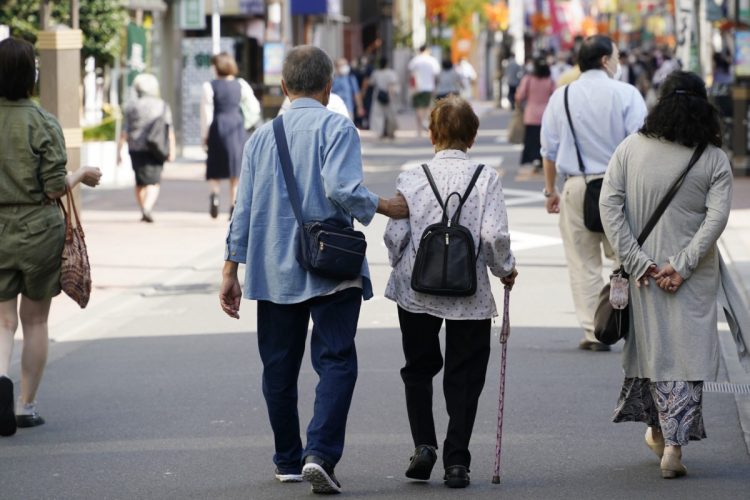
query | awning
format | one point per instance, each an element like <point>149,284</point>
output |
<point>150,5</point>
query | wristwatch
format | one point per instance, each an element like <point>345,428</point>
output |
<point>546,193</point>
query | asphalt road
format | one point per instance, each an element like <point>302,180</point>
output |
<point>158,396</point>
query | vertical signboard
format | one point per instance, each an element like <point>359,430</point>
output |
<point>196,70</point>
<point>136,51</point>
<point>273,62</point>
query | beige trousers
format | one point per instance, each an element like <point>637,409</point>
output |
<point>583,252</point>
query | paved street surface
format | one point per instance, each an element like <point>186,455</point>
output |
<point>152,393</point>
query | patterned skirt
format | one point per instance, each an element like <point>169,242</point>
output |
<point>674,407</point>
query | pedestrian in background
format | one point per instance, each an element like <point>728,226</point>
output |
<point>534,91</point>
<point>33,175</point>
<point>604,111</point>
<point>424,69</point>
<point>140,115</point>
<point>383,118</point>
<point>453,128</point>
<point>228,108</point>
<point>346,86</point>
<point>468,77</point>
<point>673,345</point>
<point>326,160</point>
<point>449,81</point>
<point>513,74</point>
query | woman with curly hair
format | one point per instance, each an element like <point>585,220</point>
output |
<point>672,346</point>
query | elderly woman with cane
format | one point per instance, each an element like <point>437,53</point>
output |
<point>453,127</point>
<point>672,346</point>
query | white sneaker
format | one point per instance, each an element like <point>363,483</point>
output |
<point>288,478</point>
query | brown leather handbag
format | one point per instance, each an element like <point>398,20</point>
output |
<point>75,273</point>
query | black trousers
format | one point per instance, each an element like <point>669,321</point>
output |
<point>467,352</point>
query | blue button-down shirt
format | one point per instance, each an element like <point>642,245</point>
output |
<point>604,112</point>
<point>326,157</point>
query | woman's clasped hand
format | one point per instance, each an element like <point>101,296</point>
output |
<point>666,278</point>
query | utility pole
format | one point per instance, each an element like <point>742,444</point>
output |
<point>216,27</point>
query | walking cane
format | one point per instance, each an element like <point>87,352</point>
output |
<point>504,334</point>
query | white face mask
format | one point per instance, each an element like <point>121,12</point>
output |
<point>618,72</point>
<point>345,70</point>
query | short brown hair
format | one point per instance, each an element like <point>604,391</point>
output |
<point>225,64</point>
<point>17,69</point>
<point>453,123</point>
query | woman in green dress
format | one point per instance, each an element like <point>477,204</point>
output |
<point>32,177</point>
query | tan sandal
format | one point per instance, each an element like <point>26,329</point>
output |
<point>671,466</point>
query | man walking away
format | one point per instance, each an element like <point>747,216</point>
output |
<point>424,69</point>
<point>513,74</point>
<point>325,154</point>
<point>604,111</point>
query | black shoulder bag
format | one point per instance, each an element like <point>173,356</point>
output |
<point>612,320</point>
<point>591,217</point>
<point>323,247</point>
<point>446,261</point>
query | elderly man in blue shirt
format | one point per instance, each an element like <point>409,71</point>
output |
<point>604,111</point>
<point>327,164</point>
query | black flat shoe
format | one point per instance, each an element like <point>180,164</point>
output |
<point>421,464</point>
<point>456,476</point>
<point>213,207</point>
<point>32,420</point>
<point>7,416</point>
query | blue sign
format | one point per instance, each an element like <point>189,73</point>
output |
<point>309,7</point>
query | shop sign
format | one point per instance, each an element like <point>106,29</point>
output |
<point>273,62</point>
<point>192,15</point>
<point>309,7</point>
<point>742,54</point>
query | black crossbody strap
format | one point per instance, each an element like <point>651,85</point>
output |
<point>573,131</point>
<point>286,168</point>
<point>668,198</point>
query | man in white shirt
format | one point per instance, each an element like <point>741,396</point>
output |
<point>604,111</point>
<point>424,69</point>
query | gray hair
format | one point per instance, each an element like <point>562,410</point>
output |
<point>146,84</point>
<point>307,70</point>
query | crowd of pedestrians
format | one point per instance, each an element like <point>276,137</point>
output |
<point>303,171</point>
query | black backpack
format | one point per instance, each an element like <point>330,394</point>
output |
<point>446,262</point>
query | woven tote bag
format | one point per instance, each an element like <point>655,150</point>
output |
<point>75,273</point>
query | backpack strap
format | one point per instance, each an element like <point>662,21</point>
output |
<point>435,191</point>
<point>457,214</point>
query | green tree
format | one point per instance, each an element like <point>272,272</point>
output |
<point>102,22</point>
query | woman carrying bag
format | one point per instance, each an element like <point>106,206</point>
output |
<point>32,228</point>
<point>672,345</point>
<point>453,127</point>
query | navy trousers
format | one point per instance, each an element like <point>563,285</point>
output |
<point>282,335</point>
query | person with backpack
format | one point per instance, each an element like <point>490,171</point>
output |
<point>144,114</point>
<point>471,234</point>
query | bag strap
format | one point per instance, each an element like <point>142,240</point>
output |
<point>477,172</point>
<point>573,131</point>
<point>286,167</point>
<point>668,197</point>
<point>70,213</point>
<point>462,199</point>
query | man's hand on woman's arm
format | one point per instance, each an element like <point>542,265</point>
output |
<point>395,208</point>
